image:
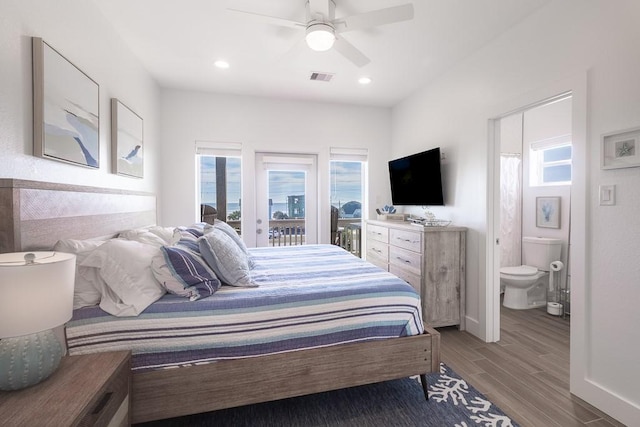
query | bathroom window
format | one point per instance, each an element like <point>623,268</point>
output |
<point>551,162</point>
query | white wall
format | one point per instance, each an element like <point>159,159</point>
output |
<point>596,37</point>
<point>77,30</point>
<point>270,125</point>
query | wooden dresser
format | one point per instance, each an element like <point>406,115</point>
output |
<point>88,390</point>
<point>431,259</point>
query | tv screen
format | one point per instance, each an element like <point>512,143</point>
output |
<point>416,180</point>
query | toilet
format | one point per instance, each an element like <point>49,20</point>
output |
<point>525,286</point>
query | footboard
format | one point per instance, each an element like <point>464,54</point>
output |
<point>175,392</point>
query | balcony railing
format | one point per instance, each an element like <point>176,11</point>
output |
<point>291,232</point>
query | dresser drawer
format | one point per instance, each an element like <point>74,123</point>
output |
<point>412,279</point>
<point>111,406</point>
<point>377,250</point>
<point>378,262</point>
<point>407,260</point>
<point>411,240</point>
<point>377,233</point>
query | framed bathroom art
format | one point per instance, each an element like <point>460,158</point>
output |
<point>621,149</point>
<point>548,212</point>
<point>66,109</point>
<point>126,141</point>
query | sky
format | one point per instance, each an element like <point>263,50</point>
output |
<point>346,182</point>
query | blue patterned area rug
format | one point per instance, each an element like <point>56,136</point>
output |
<point>452,402</point>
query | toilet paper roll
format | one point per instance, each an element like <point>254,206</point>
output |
<point>554,308</point>
<point>556,266</point>
<point>553,267</point>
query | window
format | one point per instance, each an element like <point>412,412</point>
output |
<point>348,183</point>
<point>551,162</point>
<point>219,181</point>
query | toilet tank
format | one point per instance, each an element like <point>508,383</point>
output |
<point>539,252</point>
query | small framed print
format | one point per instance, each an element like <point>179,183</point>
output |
<point>621,149</point>
<point>548,212</point>
<point>126,140</point>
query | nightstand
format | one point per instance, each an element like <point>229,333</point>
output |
<point>87,390</point>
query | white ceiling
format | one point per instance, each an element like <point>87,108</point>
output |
<point>178,42</point>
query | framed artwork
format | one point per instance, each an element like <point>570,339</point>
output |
<point>126,140</point>
<point>66,109</point>
<point>548,212</point>
<point>621,149</point>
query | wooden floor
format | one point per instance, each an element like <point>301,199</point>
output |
<point>526,373</point>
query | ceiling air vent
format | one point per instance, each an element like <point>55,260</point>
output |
<point>321,77</point>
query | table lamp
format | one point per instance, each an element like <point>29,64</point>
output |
<point>36,295</point>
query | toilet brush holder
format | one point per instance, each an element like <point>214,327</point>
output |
<point>554,308</point>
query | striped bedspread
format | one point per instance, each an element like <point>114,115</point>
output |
<point>309,296</point>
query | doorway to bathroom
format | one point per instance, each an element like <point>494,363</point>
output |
<point>535,173</point>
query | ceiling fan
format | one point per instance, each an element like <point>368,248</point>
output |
<point>323,30</point>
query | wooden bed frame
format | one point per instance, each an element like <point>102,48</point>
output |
<point>39,214</point>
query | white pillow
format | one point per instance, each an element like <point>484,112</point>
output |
<point>165,233</point>
<point>225,258</point>
<point>143,236</point>
<point>86,290</point>
<point>125,267</point>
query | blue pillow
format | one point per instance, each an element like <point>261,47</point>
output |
<point>226,258</point>
<point>184,272</point>
<point>231,232</point>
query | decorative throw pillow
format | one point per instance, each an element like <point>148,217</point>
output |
<point>125,267</point>
<point>86,290</point>
<point>226,258</point>
<point>191,233</point>
<point>184,272</point>
<point>231,232</point>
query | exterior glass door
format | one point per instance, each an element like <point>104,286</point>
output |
<point>286,199</point>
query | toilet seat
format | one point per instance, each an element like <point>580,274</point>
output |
<point>521,270</point>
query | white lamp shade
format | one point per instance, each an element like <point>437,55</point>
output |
<point>320,37</point>
<point>35,296</point>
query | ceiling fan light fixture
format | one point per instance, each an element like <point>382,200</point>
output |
<point>320,37</point>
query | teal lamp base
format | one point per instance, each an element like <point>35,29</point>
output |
<point>29,359</point>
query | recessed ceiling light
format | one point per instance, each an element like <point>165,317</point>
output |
<point>221,64</point>
<point>364,80</point>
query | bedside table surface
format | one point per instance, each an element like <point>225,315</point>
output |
<point>64,398</point>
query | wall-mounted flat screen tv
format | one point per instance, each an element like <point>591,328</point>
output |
<point>416,179</point>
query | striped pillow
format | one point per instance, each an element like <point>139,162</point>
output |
<point>184,272</point>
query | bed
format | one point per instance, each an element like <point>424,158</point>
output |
<point>376,346</point>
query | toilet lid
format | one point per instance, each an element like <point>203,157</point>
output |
<point>521,270</point>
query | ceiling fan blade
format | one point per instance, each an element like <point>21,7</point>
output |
<point>350,52</point>
<point>320,6</point>
<point>274,20</point>
<point>376,17</point>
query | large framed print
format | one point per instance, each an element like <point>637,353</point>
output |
<point>126,140</point>
<point>66,109</point>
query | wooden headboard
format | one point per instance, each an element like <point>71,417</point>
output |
<point>35,215</point>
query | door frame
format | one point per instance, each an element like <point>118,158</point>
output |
<point>580,383</point>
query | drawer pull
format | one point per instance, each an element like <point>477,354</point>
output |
<point>102,403</point>
<point>376,250</point>
<point>408,240</point>
<point>406,261</point>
